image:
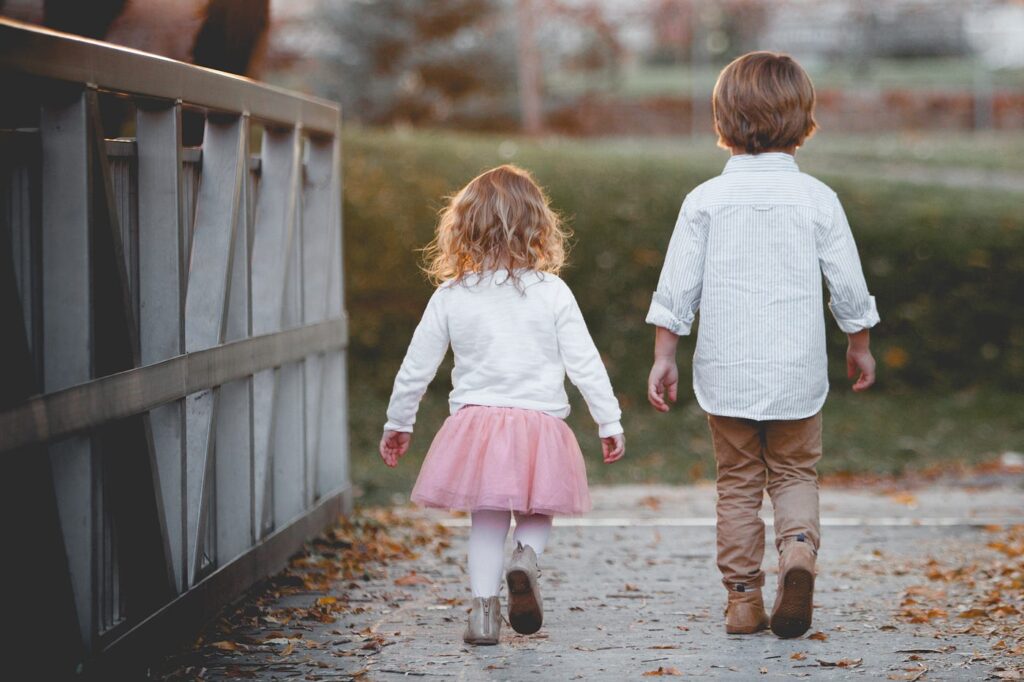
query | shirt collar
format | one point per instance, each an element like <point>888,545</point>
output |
<point>767,161</point>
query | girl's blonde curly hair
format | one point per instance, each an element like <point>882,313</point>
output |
<point>500,220</point>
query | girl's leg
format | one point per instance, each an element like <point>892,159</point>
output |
<point>487,550</point>
<point>533,530</point>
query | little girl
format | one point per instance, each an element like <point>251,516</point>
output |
<point>516,331</point>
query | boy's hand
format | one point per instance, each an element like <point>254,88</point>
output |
<point>859,358</point>
<point>393,445</point>
<point>664,379</point>
<point>613,448</point>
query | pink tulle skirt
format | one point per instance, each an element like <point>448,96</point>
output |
<point>504,458</point>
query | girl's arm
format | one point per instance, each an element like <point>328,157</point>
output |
<point>583,365</point>
<point>426,351</point>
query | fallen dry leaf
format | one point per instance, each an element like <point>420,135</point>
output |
<point>225,646</point>
<point>818,636</point>
<point>663,672</point>
<point>413,578</point>
<point>798,656</point>
<point>841,663</point>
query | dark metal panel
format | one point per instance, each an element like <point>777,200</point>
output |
<point>129,656</point>
<point>51,54</point>
<point>126,482</point>
<point>63,413</point>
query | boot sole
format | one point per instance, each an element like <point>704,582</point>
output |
<point>793,616</point>
<point>744,631</point>
<point>480,642</point>
<point>524,614</point>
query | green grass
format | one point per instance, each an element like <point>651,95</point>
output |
<point>882,432</point>
<point>946,266</point>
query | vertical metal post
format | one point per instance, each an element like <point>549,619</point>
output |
<point>67,328</point>
<point>277,394</point>
<point>161,300</point>
<point>233,439</point>
<point>217,208</point>
<point>328,410</point>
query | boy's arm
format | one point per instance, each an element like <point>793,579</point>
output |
<point>858,357</point>
<point>851,304</point>
<point>674,304</point>
<point>663,381</point>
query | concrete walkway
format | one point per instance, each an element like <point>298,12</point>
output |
<point>631,589</point>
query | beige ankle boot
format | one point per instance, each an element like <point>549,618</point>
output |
<point>745,613</point>
<point>794,602</point>
<point>525,608</point>
<point>484,625</point>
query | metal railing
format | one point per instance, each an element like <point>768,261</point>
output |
<point>173,330</point>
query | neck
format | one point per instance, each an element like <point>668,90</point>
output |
<point>736,151</point>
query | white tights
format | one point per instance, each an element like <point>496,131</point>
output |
<point>487,545</point>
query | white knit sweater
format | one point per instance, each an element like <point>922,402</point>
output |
<point>512,348</point>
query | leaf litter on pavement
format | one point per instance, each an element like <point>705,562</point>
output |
<point>331,570</point>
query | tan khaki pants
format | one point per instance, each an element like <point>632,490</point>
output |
<point>751,456</point>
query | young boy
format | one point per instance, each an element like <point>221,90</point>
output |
<point>749,249</point>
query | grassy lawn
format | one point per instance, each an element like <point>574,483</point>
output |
<point>884,432</point>
<point>946,267</point>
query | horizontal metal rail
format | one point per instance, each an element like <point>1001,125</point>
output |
<point>51,54</point>
<point>63,413</point>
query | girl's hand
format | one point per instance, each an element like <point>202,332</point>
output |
<point>613,448</point>
<point>393,445</point>
<point>662,383</point>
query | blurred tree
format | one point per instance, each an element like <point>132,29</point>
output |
<point>422,61</point>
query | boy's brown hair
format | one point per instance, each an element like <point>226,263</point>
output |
<point>763,101</point>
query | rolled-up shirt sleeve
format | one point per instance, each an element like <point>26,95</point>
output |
<point>426,351</point>
<point>851,304</point>
<point>675,303</point>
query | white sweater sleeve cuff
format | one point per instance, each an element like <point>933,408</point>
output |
<point>609,429</point>
<point>392,426</point>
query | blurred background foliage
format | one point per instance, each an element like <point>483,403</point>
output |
<point>947,267</point>
<point>921,104</point>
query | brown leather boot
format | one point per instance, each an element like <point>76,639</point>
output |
<point>745,613</point>
<point>525,606</point>
<point>484,626</point>
<point>794,602</point>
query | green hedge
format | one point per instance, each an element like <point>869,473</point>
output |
<point>947,267</point>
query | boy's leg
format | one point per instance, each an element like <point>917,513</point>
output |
<point>792,450</point>
<point>487,551</point>
<point>740,482</point>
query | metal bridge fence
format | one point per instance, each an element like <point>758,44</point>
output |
<point>173,409</point>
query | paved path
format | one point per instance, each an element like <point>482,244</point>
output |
<point>632,589</point>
